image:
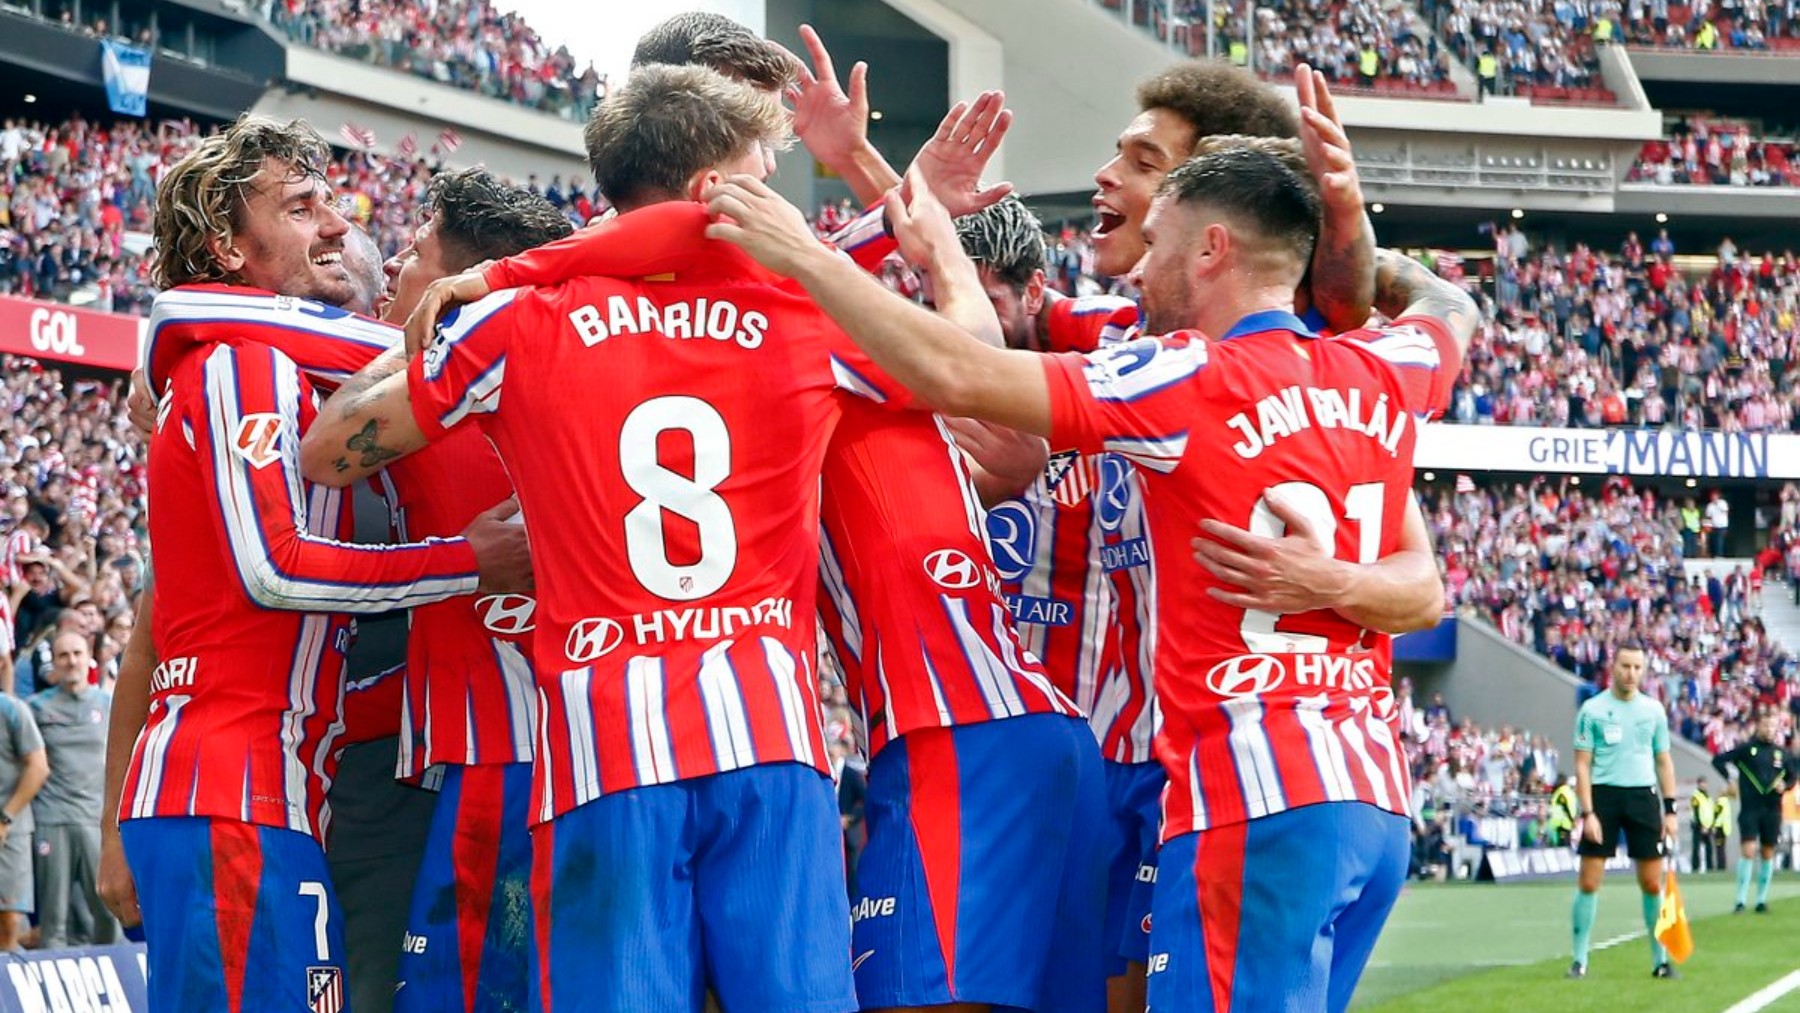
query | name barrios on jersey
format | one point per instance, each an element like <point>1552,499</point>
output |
<point>717,319</point>
<point>1295,409</point>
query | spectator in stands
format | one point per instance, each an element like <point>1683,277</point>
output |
<point>23,770</point>
<point>72,716</point>
<point>467,44</point>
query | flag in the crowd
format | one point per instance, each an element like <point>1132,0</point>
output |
<point>357,137</point>
<point>127,71</point>
<point>408,146</point>
<point>449,140</point>
<point>1465,484</point>
<point>1672,921</point>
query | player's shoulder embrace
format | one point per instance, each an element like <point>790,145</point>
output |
<point>1136,369</point>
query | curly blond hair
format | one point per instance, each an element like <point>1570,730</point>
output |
<point>203,196</point>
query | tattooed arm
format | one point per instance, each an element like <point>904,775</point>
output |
<point>393,407</point>
<point>1405,288</point>
<point>366,424</point>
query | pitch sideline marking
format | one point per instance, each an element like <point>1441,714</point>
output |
<point>1768,994</point>
<point>1618,940</point>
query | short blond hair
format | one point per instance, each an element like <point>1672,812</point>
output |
<point>203,196</point>
<point>649,137</point>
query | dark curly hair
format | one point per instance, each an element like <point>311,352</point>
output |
<point>1217,97</point>
<point>478,217</point>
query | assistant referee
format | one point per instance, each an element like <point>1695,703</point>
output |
<point>1621,755</point>
<point>1762,769</point>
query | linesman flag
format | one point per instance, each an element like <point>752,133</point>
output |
<point>1672,920</point>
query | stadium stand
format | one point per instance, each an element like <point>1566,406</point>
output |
<point>1573,573</point>
<point>1533,49</point>
<point>467,44</point>
<point>1703,152</point>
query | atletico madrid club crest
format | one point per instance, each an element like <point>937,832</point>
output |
<point>325,989</point>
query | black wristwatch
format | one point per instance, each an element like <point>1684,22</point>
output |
<point>6,818</point>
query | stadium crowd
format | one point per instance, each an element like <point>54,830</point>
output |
<point>1586,337</point>
<point>76,197</point>
<point>468,44</point>
<point>1573,572</point>
<point>1700,153</point>
<point>1523,47</point>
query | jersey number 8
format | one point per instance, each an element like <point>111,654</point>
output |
<point>691,499</point>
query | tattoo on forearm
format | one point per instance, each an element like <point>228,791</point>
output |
<point>1403,286</point>
<point>373,453</point>
<point>384,365</point>
<point>1343,272</point>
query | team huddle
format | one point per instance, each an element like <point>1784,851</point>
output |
<point>1109,584</point>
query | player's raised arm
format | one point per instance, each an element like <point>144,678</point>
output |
<point>1405,288</point>
<point>942,363</point>
<point>1342,278</point>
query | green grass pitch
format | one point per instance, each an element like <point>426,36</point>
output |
<point>1471,948</point>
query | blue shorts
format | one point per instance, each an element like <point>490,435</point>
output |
<point>984,879</point>
<point>646,897</point>
<point>468,944</point>
<point>1134,796</point>
<point>237,917</point>
<point>1277,914</point>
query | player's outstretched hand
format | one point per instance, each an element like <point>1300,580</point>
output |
<point>502,550</point>
<point>921,225</point>
<point>437,299</point>
<point>1012,459</point>
<point>833,123</point>
<point>747,214</point>
<point>142,403</point>
<point>952,161</point>
<point>1293,573</point>
<point>118,890</point>
<point>1326,144</point>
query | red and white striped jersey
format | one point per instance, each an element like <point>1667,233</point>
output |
<point>471,694</point>
<point>665,438</point>
<point>1264,712</point>
<point>909,597</point>
<point>18,543</point>
<point>250,621</point>
<point>470,697</point>
<point>1073,552</point>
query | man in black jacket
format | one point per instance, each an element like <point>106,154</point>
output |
<point>1762,778</point>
